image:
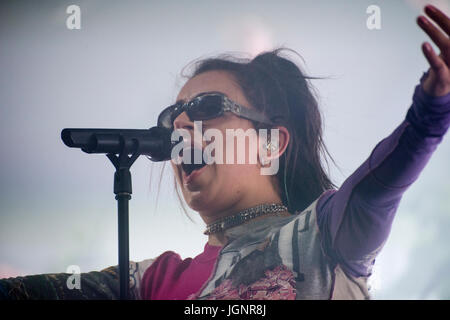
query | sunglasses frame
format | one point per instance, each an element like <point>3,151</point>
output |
<point>228,105</point>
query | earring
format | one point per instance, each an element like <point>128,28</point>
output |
<point>270,146</point>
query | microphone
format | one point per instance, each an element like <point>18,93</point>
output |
<point>154,142</point>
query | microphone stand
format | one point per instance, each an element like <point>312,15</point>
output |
<point>118,144</point>
<point>123,190</point>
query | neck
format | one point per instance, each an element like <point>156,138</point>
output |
<point>210,217</point>
<point>214,213</point>
<point>217,239</point>
<point>216,231</point>
<point>267,194</point>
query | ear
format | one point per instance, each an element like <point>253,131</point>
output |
<point>273,143</point>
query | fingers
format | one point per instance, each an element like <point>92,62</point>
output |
<point>439,17</point>
<point>434,60</point>
<point>439,38</point>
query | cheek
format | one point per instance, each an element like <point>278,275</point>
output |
<point>235,149</point>
<point>235,178</point>
<point>231,140</point>
<point>232,182</point>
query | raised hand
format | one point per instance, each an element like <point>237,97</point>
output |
<point>437,83</point>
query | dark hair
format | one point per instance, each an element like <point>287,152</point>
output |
<point>277,87</point>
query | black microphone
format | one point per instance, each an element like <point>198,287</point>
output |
<point>154,142</point>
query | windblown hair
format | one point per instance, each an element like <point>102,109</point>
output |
<point>277,87</point>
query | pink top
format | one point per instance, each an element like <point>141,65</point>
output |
<point>175,279</point>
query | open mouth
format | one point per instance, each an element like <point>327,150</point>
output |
<point>190,169</point>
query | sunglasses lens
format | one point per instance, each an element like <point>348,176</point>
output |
<point>165,118</point>
<point>207,108</point>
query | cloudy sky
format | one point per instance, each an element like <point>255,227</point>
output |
<point>123,66</point>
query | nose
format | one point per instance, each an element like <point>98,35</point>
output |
<point>183,122</point>
<point>195,132</point>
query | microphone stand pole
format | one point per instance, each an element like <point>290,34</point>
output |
<point>122,190</point>
<point>118,144</point>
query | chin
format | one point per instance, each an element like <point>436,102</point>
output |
<point>199,202</point>
<point>206,200</point>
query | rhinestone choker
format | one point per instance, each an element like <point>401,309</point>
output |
<point>243,216</point>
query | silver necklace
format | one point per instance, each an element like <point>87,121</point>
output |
<point>243,216</point>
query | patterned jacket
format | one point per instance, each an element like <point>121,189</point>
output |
<point>270,258</point>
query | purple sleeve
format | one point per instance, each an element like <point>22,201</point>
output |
<point>356,219</point>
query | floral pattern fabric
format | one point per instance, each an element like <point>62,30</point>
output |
<point>278,284</point>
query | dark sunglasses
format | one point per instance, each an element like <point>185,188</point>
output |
<point>208,106</point>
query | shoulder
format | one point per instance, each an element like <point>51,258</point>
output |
<point>318,206</point>
<point>161,273</point>
<point>324,199</point>
<point>167,260</point>
<point>168,255</point>
<point>167,264</point>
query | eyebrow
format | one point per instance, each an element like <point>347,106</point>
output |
<point>182,101</point>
